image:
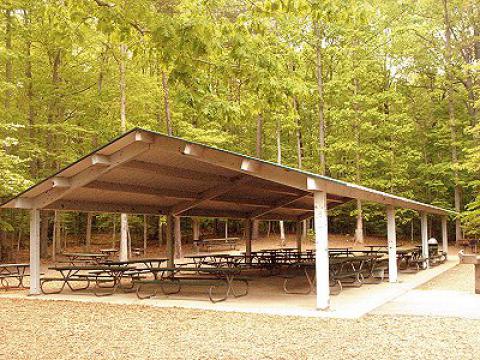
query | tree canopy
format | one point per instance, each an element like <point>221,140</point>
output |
<point>381,93</point>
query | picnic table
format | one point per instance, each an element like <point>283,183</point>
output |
<point>100,274</point>
<point>13,271</point>
<point>230,242</point>
<point>85,257</point>
<point>152,265</point>
<point>213,278</point>
<point>109,252</point>
<point>339,251</point>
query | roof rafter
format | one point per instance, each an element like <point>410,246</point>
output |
<point>172,171</point>
<point>208,195</point>
<point>99,165</point>
<point>280,204</point>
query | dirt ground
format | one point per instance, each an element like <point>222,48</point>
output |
<point>39,329</point>
<point>33,329</point>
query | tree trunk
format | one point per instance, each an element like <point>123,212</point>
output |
<point>123,128</point>
<point>279,161</point>
<point>356,129</point>
<point>55,236</point>
<point>29,96</point>
<point>88,237</point>
<point>160,231</point>
<point>321,101</point>
<point>123,87</point>
<point>114,231</point>
<point>259,140</point>
<point>298,133</point>
<point>8,60</point>
<point>145,234</point>
<point>452,119</point>
<point>166,101</point>
<point>178,238</point>
<point>258,154</point>
<point>44,234</point>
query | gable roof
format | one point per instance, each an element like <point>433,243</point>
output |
<point>146,172</point>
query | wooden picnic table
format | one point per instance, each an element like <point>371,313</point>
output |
<point>70,274</point>
<point>13,271</point>
<point>85,257</point>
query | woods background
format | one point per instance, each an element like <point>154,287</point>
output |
<point>380,93</point>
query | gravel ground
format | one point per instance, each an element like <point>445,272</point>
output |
<point>458,278</point>
<point>34,329</point>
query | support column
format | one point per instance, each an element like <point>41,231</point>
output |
<point>195,229</point>
<point>321,244</point>
<point>392,245</point>
<point>123,253</point>
<point>298,235</point>
<point>424,232</point>
<point>35,252</point>
<point>169,243</point>
<point>445,235</point>
<point>248,239</point>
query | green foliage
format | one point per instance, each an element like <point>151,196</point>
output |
<point>226,63</point>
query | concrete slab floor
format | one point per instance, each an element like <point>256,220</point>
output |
<point>266,296</point>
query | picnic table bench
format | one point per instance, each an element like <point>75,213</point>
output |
<point>99,274</point>
<point>15,272</point>
<point>213,278</point>
<point>229,242</point>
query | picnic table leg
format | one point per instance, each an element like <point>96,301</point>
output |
<point>116,283</point>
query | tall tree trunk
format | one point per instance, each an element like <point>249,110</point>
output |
<point>279,160</point>
<point>123,127</point>
<point>356,129</point>
<point>259,140</point>
<point>123,87</point>
<point>145,234</point>
<point>299,154</point>
<point>160,231</point>
<point>321,100</point>
<point>8,61</point>
<point>166,102</point>
<point>452,119</point>
<point>29,93</point>
<point>178,237</point>
<point>298,132</point>
<point>44,234</point>
<point>88,238</point>
<point>258,154</point>
<point>55,242</point>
